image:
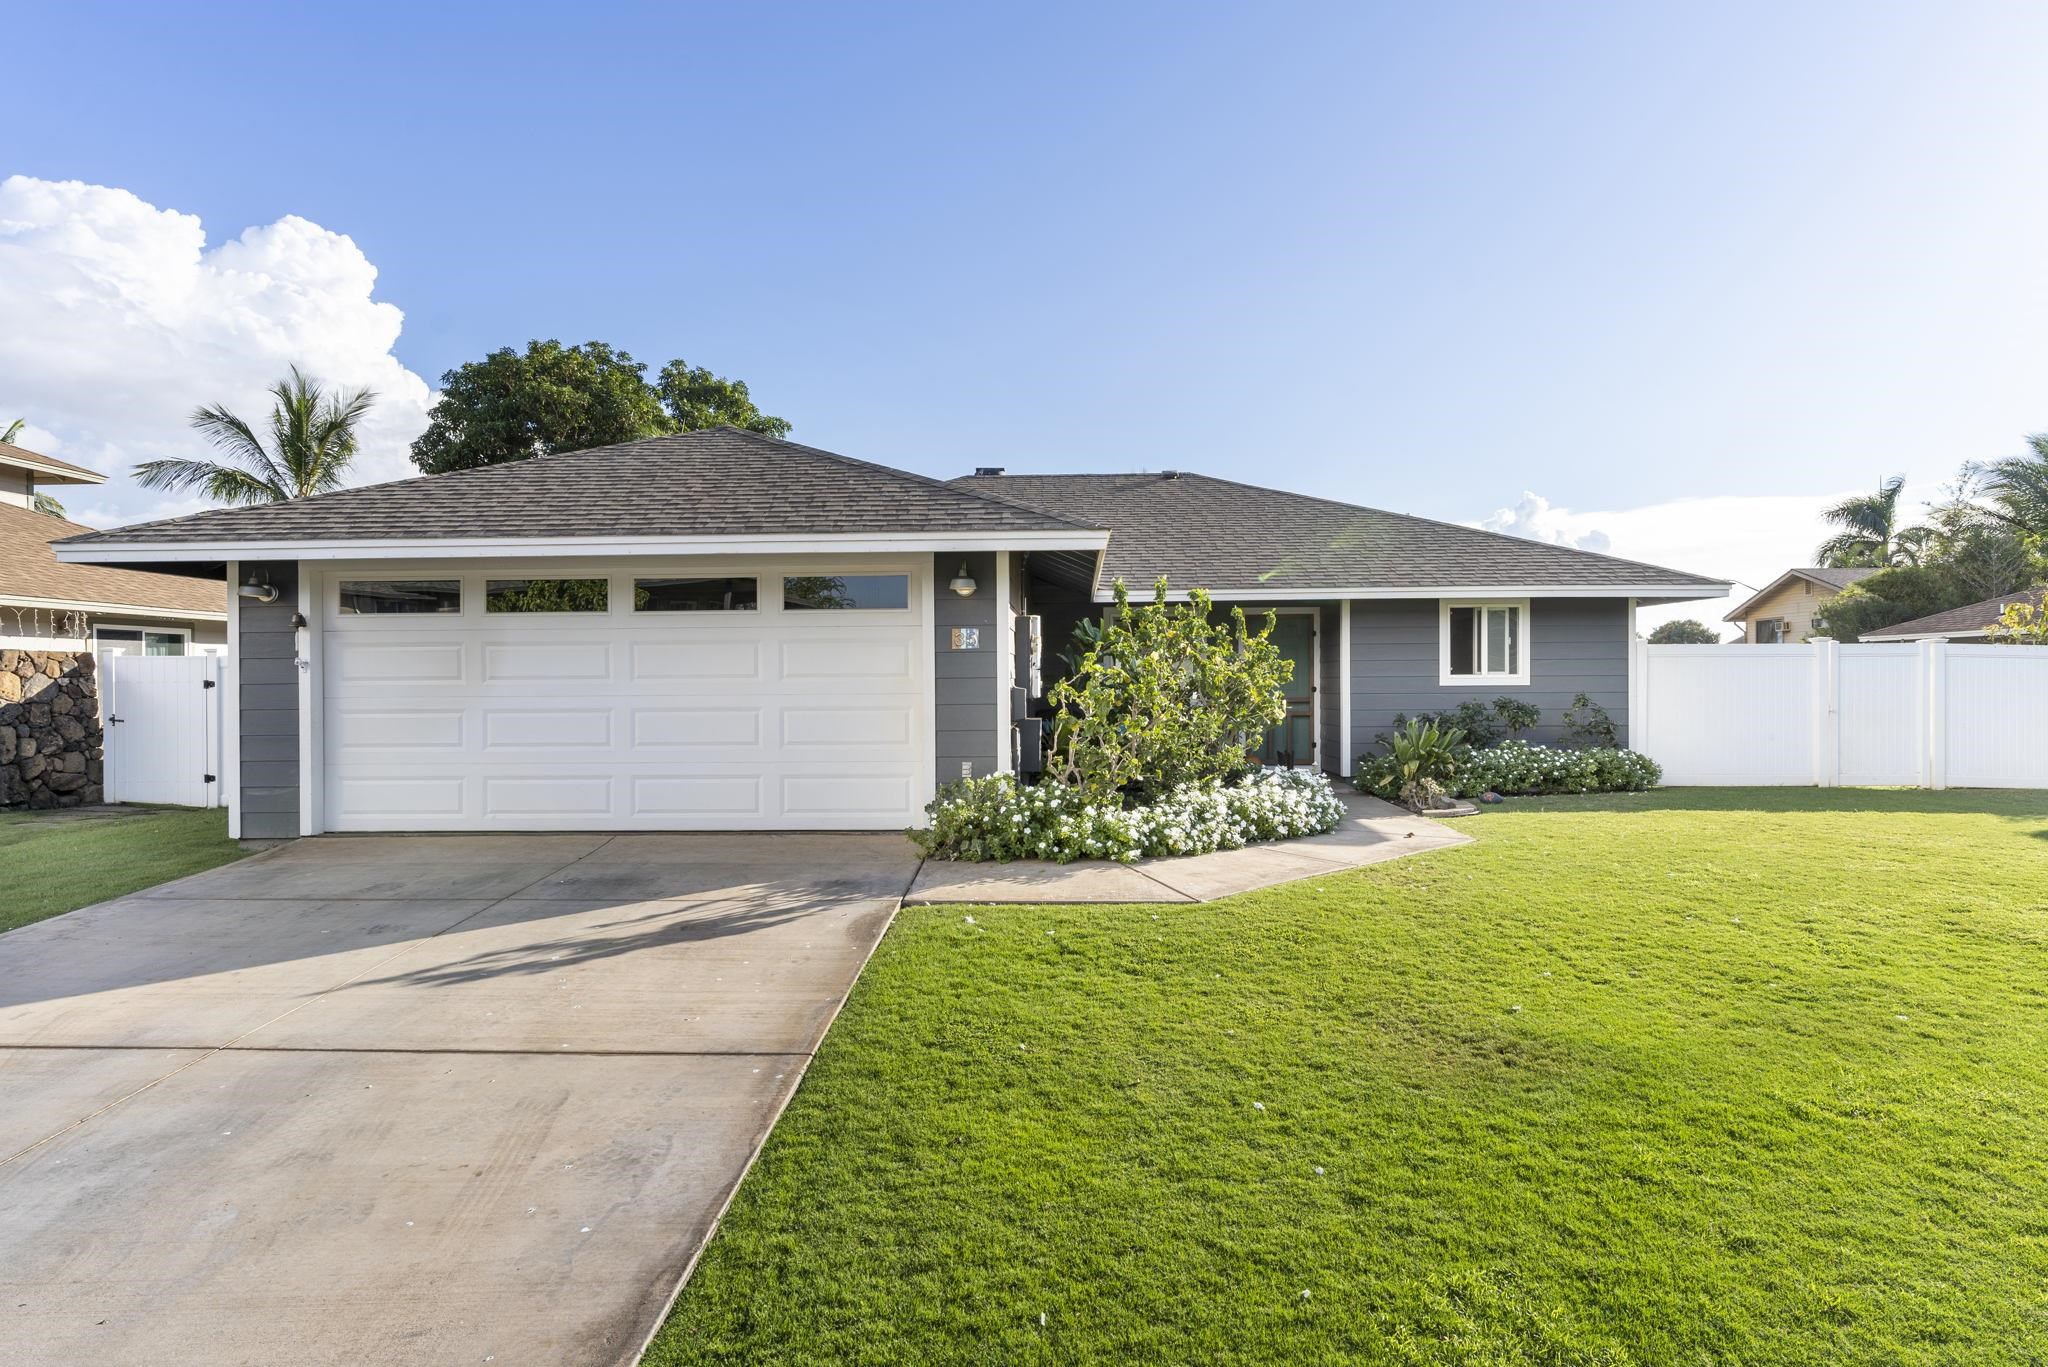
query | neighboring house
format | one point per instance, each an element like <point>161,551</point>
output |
<point>1782,612</point>
<point>45,605</point>
<point>719,630</point>
<point>1957,624</point>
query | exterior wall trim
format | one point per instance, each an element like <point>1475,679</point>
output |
<point>1346,759</point>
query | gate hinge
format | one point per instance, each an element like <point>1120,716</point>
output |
<point>209,778</point>
<point>206,683</point>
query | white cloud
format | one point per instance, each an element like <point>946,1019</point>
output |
<point>120,321</point>
<point>1750,539</point>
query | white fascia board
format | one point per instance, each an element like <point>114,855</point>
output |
<point>1669,593</point>
<point>586,547</point>
<point>125,609</point>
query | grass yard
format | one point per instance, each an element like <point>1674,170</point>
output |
<point>60,861</point>
<point>1695,1076</point>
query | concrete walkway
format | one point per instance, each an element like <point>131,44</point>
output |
<point>1373,831</point>
<point>396,1100</point>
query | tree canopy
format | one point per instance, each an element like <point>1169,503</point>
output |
<point>511,405</point>
<point>1686,631</point>
<point>1988,536</point>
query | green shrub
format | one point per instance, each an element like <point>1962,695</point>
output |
<point>999,819</point>
<point>1485,724</point>
<point>1166,698</point>
<point>1518,768</point>
<point>1587,724</point>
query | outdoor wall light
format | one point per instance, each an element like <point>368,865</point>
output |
<point>963,582</point>
<point>262,593</point>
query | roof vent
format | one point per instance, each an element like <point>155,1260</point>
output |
<point>1169,474</point>
<point>984,470</point>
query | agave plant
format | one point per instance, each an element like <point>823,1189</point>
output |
<point>1425,757</point>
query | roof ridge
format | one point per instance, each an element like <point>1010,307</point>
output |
<point>911,475</point>
<point>1383,512</point>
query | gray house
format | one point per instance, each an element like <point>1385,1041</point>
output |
<point>721,631</point>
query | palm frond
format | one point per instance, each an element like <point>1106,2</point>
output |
<point>222,483</point>
<point>13,429</point>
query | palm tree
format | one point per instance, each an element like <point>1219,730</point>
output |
<point>2018,486</point>
<point>1871,534</point>
<point>312,440</point>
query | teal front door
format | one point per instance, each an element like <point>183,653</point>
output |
<point>1292,743</point>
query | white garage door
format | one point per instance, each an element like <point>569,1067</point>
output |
<point>745,697</point>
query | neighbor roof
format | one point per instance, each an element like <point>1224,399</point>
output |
<point>1827,576</point>
<point>720,482</point>
<point>1229,537</point>
<point>1963,621</point>
<point>48,469</point>
<point>30,572</point>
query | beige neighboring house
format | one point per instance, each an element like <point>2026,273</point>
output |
<point>1964,624</point>
<point>45,605</point>
<point>1782,612</point>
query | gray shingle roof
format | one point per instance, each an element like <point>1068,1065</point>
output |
<point>1972,617</point>
<point>720,482</point>
<point>1220,535</point>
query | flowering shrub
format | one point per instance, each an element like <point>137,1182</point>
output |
<point>999,818</point>
<point>1518,767</point>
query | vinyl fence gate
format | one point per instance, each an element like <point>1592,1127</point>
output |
<point>1918,714</point>
<point>162,719</point>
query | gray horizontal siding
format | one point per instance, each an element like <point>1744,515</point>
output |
<point>1577,645</point>
<point>267,677</point>
<point>965,681</point>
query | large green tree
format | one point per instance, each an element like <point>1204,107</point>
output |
<point>312,441</point>
<point>1686,631</point>
<point>1870,531</point>
<point>511,405</point>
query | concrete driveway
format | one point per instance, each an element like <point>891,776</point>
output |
<point>408,1099</point>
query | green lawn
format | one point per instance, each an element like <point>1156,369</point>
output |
<point>1694,1076</point>
<point>57,861</point>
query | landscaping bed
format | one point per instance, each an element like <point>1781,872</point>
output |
<point>1688,1075</point>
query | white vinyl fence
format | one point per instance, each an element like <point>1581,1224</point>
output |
<point>162,715</point>
<point>1926,714</point>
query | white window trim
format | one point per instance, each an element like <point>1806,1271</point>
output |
<point>1518,679</point>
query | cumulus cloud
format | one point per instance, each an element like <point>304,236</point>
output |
<point>1750,539</point>
<point>121,320</point>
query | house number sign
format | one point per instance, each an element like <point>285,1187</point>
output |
<point>967,638</point>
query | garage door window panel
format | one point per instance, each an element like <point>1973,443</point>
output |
<point>399,597</point>
<point>696,595</point>
<point>546,595</point>
<point>846,592</point>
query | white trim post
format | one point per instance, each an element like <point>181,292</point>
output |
<point>231,708</point>
<point>307,658</point>
<point>1635,676</point>
<point>1006,662</point>
<point>1346,759</point>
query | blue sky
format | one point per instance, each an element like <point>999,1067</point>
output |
<point>1426,258</point>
